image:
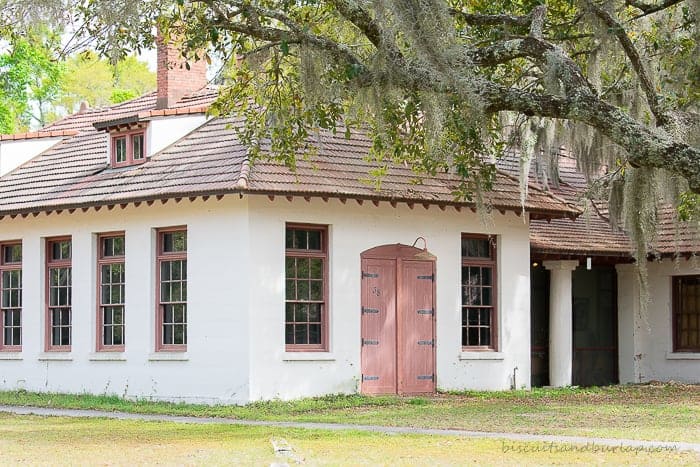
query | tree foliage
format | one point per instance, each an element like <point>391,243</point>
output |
<point>446,85</point>
<point>29,81</point>
<point>94,80</point>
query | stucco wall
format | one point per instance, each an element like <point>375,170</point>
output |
<point>353,229</point>
<point>15,153</point>
<point>236,300</point>
<point>215,366</point>
<point>645,337</point>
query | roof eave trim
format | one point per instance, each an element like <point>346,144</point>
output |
<point>104,125</point>
<point>239,188</point>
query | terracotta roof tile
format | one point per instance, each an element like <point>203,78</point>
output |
<point>211,160</point>
<point>591,234</point>
<point>38,134</point>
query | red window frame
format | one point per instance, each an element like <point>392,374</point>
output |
<point>109,260</point>
<point>7,267</point>
<point>162,257</point>
<point>129,136</point>
<point>490,262</point>
<point>298,253</point>
<point>685,319</point>
<point>62,263</point>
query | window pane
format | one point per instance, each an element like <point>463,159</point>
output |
<point>303,267</point>
<point>291,290</point>
<point>303,290</point>
<point>316,268</point>
<point>484,336</point>
<point>289,238</point>
<point>137,146</point>
<point>486,276</point>
<point>290,268</point>
<point>486,296</point>
<point>16,318</point>
<point>301,334</point>
<point>473,336</point>
<point>314,334</point>
<point>315,312</point>
<point>304,239</point>
<point>476,248</point>
<point>300,239</point>
<point>12,254</point>
<point>120,149</point>
<point>107,340</point>
<point>316,290</point>
<point>301,313</point>
<point>118,337</point>
<point>174,241</point>
<point>60,250</point>
<point>314,240</point>
<point>687,311</point>
<point>112,246</point>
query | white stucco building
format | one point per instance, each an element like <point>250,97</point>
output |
<point>142,255</point>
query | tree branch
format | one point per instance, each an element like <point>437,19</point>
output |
<point>649,9</point>
<point>491,20</point>
<point>637,64</point>
<point>645,146</point>
<point>539,13</point>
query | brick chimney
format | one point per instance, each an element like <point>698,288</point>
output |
<point>174,79</point>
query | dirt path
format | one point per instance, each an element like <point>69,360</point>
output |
<point>630,444</point>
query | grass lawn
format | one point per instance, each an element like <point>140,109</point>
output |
<point>669,412</point>
<point>78,441</point>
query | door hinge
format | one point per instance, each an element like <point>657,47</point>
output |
<point>369,378</point>
<point>369,310</point>
<point>425,312</point>
<point>431,342</point>
<point>430,277</point>
<point>426,377</point>
<point>369,275</point>
<point>370,342</point>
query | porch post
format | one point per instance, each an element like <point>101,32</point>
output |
<point>560,322</point>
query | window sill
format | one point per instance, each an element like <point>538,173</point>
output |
<point>682,355</point>
<point>55,356</point>
<point>10,355</point>
<point>168,357</point>
<point>486,355</point>
<point>308,357</point>
<point>107,357</point>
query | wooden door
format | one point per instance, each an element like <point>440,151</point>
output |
<point>416,341</point>
<point>398,320</point>
<point>378,329</point>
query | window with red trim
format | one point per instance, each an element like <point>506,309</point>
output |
<point>306,287</point>
<point>11,296</point>
<point>171,293</point>
<point>110,292</point>
<point>59,294</point>
<point>686,313</point>
<point>479,330</point>
<point>128,148</point>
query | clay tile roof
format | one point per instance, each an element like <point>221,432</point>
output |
<point>196,102</point>
<point>588,235</point>
<point>211,160</point>
<point>340,169</point>
<point>591,234</point>
<point>38,134</point>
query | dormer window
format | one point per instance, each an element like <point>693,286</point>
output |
<point>128,148</point>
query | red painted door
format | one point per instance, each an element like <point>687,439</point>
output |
<point>416,341</point>
<point>397,324</point>
<point>378,326</point>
